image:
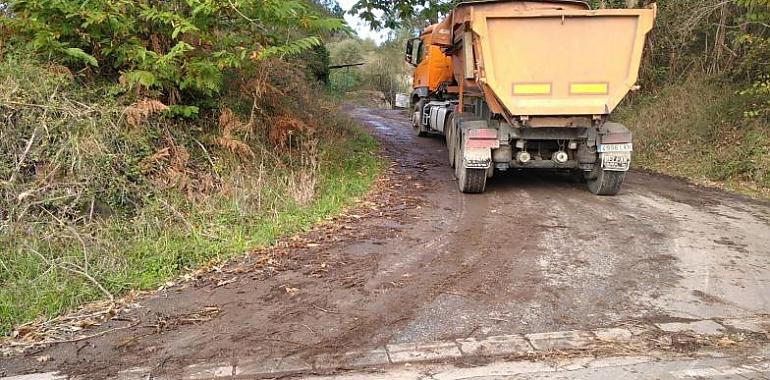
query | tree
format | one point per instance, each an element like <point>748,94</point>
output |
<point>346,52</point>
<point>386,71</point>
<point>332,7</point>
<point>394,13</point>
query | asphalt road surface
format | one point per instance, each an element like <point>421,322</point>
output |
<point>418,261</point>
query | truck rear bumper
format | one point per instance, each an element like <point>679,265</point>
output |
<point>543,164</point>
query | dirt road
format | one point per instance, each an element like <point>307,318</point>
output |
<point>421,262</point>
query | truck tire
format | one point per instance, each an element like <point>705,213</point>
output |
<point>449,136</point>
<point>472,181</point>
<point>469,181</point>
<point>605,182</point>
<point>418,129</point>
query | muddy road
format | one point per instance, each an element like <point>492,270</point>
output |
<point>418,261</point>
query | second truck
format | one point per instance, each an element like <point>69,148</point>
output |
<point>529,84</point>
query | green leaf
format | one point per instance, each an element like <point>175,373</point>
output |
<point>292,48</point>
<point>78,53</point>
<point>140,77</point>
<point>182,111</point>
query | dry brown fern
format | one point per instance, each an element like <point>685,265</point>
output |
<point>160,156</point>
<point>230,124</point>
<point>284,128</point>
<point>61,69</point>
<point>235,146</point>
<point>137,113</point>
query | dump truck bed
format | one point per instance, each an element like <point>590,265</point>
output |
<point>558,62</point>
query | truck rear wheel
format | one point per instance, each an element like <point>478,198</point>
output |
<point>605,182</point>
<point>416,123</point>
<point>450,130</point>
<point>470,181</point>
<point>449,135</point>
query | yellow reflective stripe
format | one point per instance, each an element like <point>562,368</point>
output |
<point>531,89</point>
<point>588,88</point>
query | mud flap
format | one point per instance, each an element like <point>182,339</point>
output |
<point>477,158</point>
<point>477,152</point>
<point>614,133</point>
<point>615,146</point>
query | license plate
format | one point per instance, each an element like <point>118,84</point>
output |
<point>627,147</point>
<point>616,161</point>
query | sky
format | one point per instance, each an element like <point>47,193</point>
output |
<point>360,26</point>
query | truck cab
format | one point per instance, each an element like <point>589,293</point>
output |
<point>431,66</point>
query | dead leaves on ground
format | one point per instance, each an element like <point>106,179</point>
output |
<point>65,328</point>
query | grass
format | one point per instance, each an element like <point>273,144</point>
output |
<point>697,130</point>
<point>144,255</point>
<point>93,208</point>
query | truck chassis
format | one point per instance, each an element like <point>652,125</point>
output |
<point>480,145</point>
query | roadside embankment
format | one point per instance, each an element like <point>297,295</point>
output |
<point>101,194</point>
<point>698,129</point>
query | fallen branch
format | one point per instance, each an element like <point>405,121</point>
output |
<point>83,271</point>
<point>79,270</point>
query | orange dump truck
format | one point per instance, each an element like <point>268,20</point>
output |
<point>529,84</point>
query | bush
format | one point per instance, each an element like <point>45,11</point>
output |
<point>181,49</point>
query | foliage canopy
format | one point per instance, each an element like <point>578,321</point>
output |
<point>392,14</point>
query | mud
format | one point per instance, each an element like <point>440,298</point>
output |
<point>418,261</point>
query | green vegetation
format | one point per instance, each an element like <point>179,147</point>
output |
<point>181,49</point>
<point>398,13</point>
<point>384,72</point>
<point>140,140</point>
<point>96,206</point>
<point>704,111</point>
<point>696,130</point>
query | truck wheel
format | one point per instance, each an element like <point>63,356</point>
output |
<point>450,144</point>
<point>605,182</point>
<point>456,151</point>
<point>470,181</point>
<point>450,131</point>
<point>417,114</point>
